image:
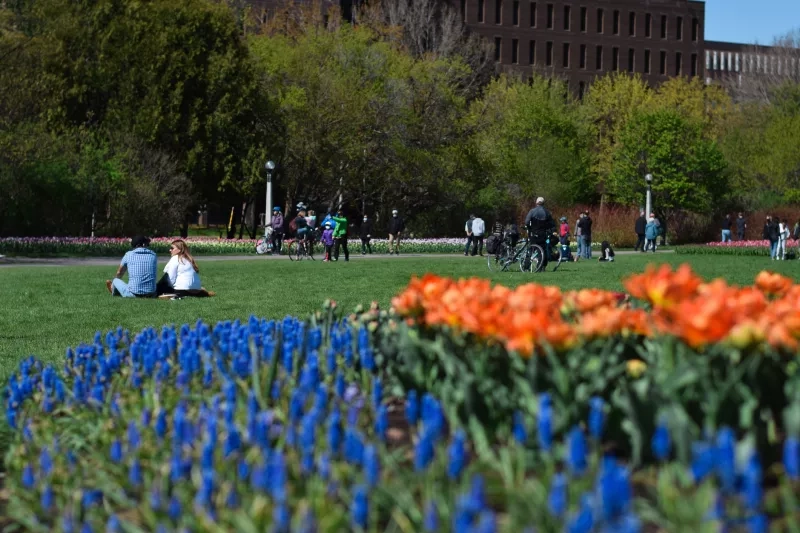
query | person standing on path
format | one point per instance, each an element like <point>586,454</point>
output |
<point>741,227</point>
<point>340,236</point>
<point>539,223</point>
<point>277,230</point>
<point>365,232</point>
<point>727,224</point>
<point>578,235</point>
<point>468,231</point>
<point>651,234</point>
<point>396,228</point>
<point>478,229</point>
<point>140,264</point>
<point>639,228</point>
<point>327,240</point>
<point>783,236</point>
<point>585,223</point>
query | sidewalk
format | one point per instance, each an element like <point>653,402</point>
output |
<point>114,261</point>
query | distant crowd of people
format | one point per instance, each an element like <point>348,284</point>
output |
<point>333,231</point>
<point>775,231</point>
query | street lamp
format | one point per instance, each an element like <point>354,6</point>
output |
<point>649,203</point>
<point>270,166</point>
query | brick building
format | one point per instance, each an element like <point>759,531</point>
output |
<point>580,40</point>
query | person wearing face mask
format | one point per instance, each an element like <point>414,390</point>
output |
<point>365,232</point>
<point>396,228</point>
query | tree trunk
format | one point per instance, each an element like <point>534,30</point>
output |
<point>232,229</point>
<point>185,226</point>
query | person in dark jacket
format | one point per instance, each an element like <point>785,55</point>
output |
<point>365,232</point>
<point>741,226</point>
<point>639,227</point>
<point>606,252</point>
<point>585,224</point>
<point>773,235</point>
<point>396,228</point>
<point>277,230</point>
<point>468,232</point>
<point>540,223</point>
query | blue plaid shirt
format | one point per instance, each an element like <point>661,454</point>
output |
<point>141,264</point>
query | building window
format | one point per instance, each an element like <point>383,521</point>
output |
<point>647,61</point>
<point>708,59</point>
<point>631,60</point>
<point>550,16</point>
<point>532,52</point>
<point>533,14</point>
<point>481,9</point>
<point>694,65</point>
<point>648,25</point>
<point>616,23</point>
<point>695,30</point>
<point>679,29</point>
<point>515,51</point>
<point>678,63</point>
<point>515,15</point>
<point>663,63</point>
<point>599,58</point>
<point>565,56</point>
<point>632,24</point>
<point>663,26</point>
<point>567,17</point>
<point>615,59</point>
<point>583,56</point>
<point>548,60</point>
<point>498,11</point>
<point>581,90</point>
<point>498,45</point>
<point>600,16</point>
<point>584,19</point>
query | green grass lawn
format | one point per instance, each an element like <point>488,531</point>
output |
<point>46,309</point>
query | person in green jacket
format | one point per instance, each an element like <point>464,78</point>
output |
<point>340,236</point>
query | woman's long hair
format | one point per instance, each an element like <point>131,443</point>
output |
<point>183,253</point>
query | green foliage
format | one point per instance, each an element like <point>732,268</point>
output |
<point>688,170</point>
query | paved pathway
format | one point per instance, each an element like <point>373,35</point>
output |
<point>113,261</point>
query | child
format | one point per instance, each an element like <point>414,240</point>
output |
<point>327,240</point>
<point>563,236</point>
<point>606,252</point>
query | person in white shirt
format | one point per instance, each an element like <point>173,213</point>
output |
<point>478,229</point>
<point>182,273</point>
<point>783,236</point>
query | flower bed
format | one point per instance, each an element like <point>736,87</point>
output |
<point>113,247</point>
<point>467,408</point>
<point>752,248</point>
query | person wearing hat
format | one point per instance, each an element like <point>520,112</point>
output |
<point>277,230</point>
<point>327,240</point>
<point>539,222</point>
<point>396,228</point>
<point>140,263</point>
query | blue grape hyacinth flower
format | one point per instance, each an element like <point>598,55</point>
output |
<point>597,417</point>
<point>457,455</point>
<point>545,423</point>
<point>359,508</point>
<point>661,444</point>
<point>791,457</point>
<point>577,451</point>
<point>557,498</point>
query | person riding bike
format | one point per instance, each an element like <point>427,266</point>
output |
<point>302,226</point>
<point>540,225</point>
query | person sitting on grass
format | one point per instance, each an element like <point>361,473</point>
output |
<point>606,252</point>
<point>181,274</point>
<point>140,264</point>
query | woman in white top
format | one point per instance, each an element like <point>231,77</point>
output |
<point>783,235</point>
<point>182,272</point>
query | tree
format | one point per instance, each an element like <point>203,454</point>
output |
<point>530,142</point>
<point>610,103</point>
<point>706,105</point>
<point>688,169</point>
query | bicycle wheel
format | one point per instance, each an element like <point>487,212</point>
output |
<point>262,247</point>
<point>310,251</point>
<point>294,251</point>
<point>532,259</point>
<point>495,261</point>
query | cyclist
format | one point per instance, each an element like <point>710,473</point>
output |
<point>302,226</point>
<point>540,225</point>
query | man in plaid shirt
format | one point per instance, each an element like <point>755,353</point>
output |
<point>140,264</point>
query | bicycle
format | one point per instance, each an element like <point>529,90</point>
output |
<point>264,246</point>
<point>299,249</point>
<point>533,259</point>
<point>506,256</point>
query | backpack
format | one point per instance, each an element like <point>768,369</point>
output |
<point>492,244</point>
